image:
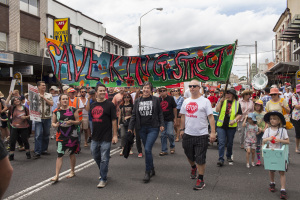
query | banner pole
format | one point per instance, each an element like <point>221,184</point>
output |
<point>227,82</point>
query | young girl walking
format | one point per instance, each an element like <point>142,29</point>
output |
<point>251,130</point>
<point>276,136</point>
<point>259,114</point>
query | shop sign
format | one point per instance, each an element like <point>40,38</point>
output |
<point>7,58</point>
<point>6,71</point>
<point>24,70</point>
<point>297,77</point>
<point>61,29</point>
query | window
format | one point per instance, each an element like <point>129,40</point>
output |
<point>108,47</point>
<point>29,47</point>
<point>3,41</point>
<point>116,49</point>
<point>30,6</point>
<point>89,44</point>
<point>3,1</point>
<point>123,51</point>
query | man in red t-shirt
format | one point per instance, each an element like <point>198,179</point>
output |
<point>212,98</point>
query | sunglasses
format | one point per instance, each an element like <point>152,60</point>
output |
<point>83,91</point>
<point>193,86</point>
<point>162,90</point>
<point>273,94</point>
<point>176,91</point>
<point>127,97</point>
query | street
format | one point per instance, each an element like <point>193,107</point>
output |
<point>31,178</point>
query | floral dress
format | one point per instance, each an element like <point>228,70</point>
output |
<point>66,135</point>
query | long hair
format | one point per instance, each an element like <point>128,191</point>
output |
<point>123,101</point>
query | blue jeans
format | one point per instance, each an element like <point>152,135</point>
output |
<point>42,133</point>
<point>222,135</point>
<point>148,135</point>
<point>101,153</point>
<point>167,133</point>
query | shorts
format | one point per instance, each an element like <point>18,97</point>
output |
<point>195,148</point>
<point>3,124</point>
<point>249,145</point>
<point>178,114</point>
<point>85,122</point>
<point>62,149</point>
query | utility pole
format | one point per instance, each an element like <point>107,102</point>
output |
<point>250,68</point>
<point>256,56</point>
<point>247,74</point>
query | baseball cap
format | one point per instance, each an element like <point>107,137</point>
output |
<point>92,91</point>
<point>71,90</point>
<point>65,87</point>
<point>53,87</point>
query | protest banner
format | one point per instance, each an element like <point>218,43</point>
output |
<point>33,95</point>
<point>79,65</point>
<point>12,85</point>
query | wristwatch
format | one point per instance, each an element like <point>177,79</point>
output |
<point>182,129</point>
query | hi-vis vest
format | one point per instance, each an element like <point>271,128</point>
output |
<point>234,109</point>
<point>75,104</point>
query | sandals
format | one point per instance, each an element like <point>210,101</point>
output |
<point>163,153</point>
<point>177,140</point>
<point>172,151</point>
<point>72,174</point>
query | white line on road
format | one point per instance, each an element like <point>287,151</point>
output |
<point>39,186</point>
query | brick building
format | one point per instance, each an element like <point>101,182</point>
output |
<point>23,24</point>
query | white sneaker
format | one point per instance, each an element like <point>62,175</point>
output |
<point>253,164</point>
<point>248,165</point>
<point>102,184</point>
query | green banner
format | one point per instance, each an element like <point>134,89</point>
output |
<point>77,65</point>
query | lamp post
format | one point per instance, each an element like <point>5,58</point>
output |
<point>140,29</point>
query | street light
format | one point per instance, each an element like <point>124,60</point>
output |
<point>140,29</point>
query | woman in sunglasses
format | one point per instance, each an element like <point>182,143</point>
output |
<point>230,113</point>
<point>178,100</point>
<point>276,103</point>
<point>126,108</point>
<point>147,118</point>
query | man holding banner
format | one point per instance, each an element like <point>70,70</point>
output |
<point>42,128</point>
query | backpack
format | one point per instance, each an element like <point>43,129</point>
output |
<point>290,102</point>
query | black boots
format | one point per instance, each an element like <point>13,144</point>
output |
<point>152,172</point>
<point>147,177</point>
<point>28,155</point>
<point>11,157</point>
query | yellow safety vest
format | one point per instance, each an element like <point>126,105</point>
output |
<point>234,109</point>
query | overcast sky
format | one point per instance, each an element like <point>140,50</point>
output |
<point>189,23</point>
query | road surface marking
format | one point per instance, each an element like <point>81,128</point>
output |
<point>39,186</point>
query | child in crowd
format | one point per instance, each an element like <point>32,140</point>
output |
<point>276,136</point>
<point>251,131</point>
<point>259,114</point>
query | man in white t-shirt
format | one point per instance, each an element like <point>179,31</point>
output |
<point>288,94</point>
<point>194,131</point>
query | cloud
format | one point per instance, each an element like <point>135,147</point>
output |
<point>188,23</point>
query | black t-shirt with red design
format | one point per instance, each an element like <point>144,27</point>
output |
<point>227,114</point>
<point>102,115</point>
<point>167,104</point>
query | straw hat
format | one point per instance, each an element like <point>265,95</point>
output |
<point>246,92</point>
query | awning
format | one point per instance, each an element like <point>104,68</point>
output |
<point>284,67</point>
<point>292,31</point>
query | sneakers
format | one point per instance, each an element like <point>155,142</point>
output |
<point>46,153</point>
<point>272,187</point>
<point>11,157</point>
<point>220,163</point>
<point>199,185</point>
<point>28,155</point>
<point>248,165</point>
<point>230,161</point>
<point>102,184</point>
<point>283,194</point>
<point>36,156</point>
<point>258,163</point>
<point>130,152</point>
<point>253,164</point>
<point>193,173</point>
<point>140,155</point>
<point>147,177</point>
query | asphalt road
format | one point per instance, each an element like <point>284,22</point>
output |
<point>31,178</point>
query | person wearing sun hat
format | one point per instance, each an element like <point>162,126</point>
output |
<point>276,103</point>
<point>296,116</point>
<point>259,114</point>
<point>247,107</point>
<point>275,136</point>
